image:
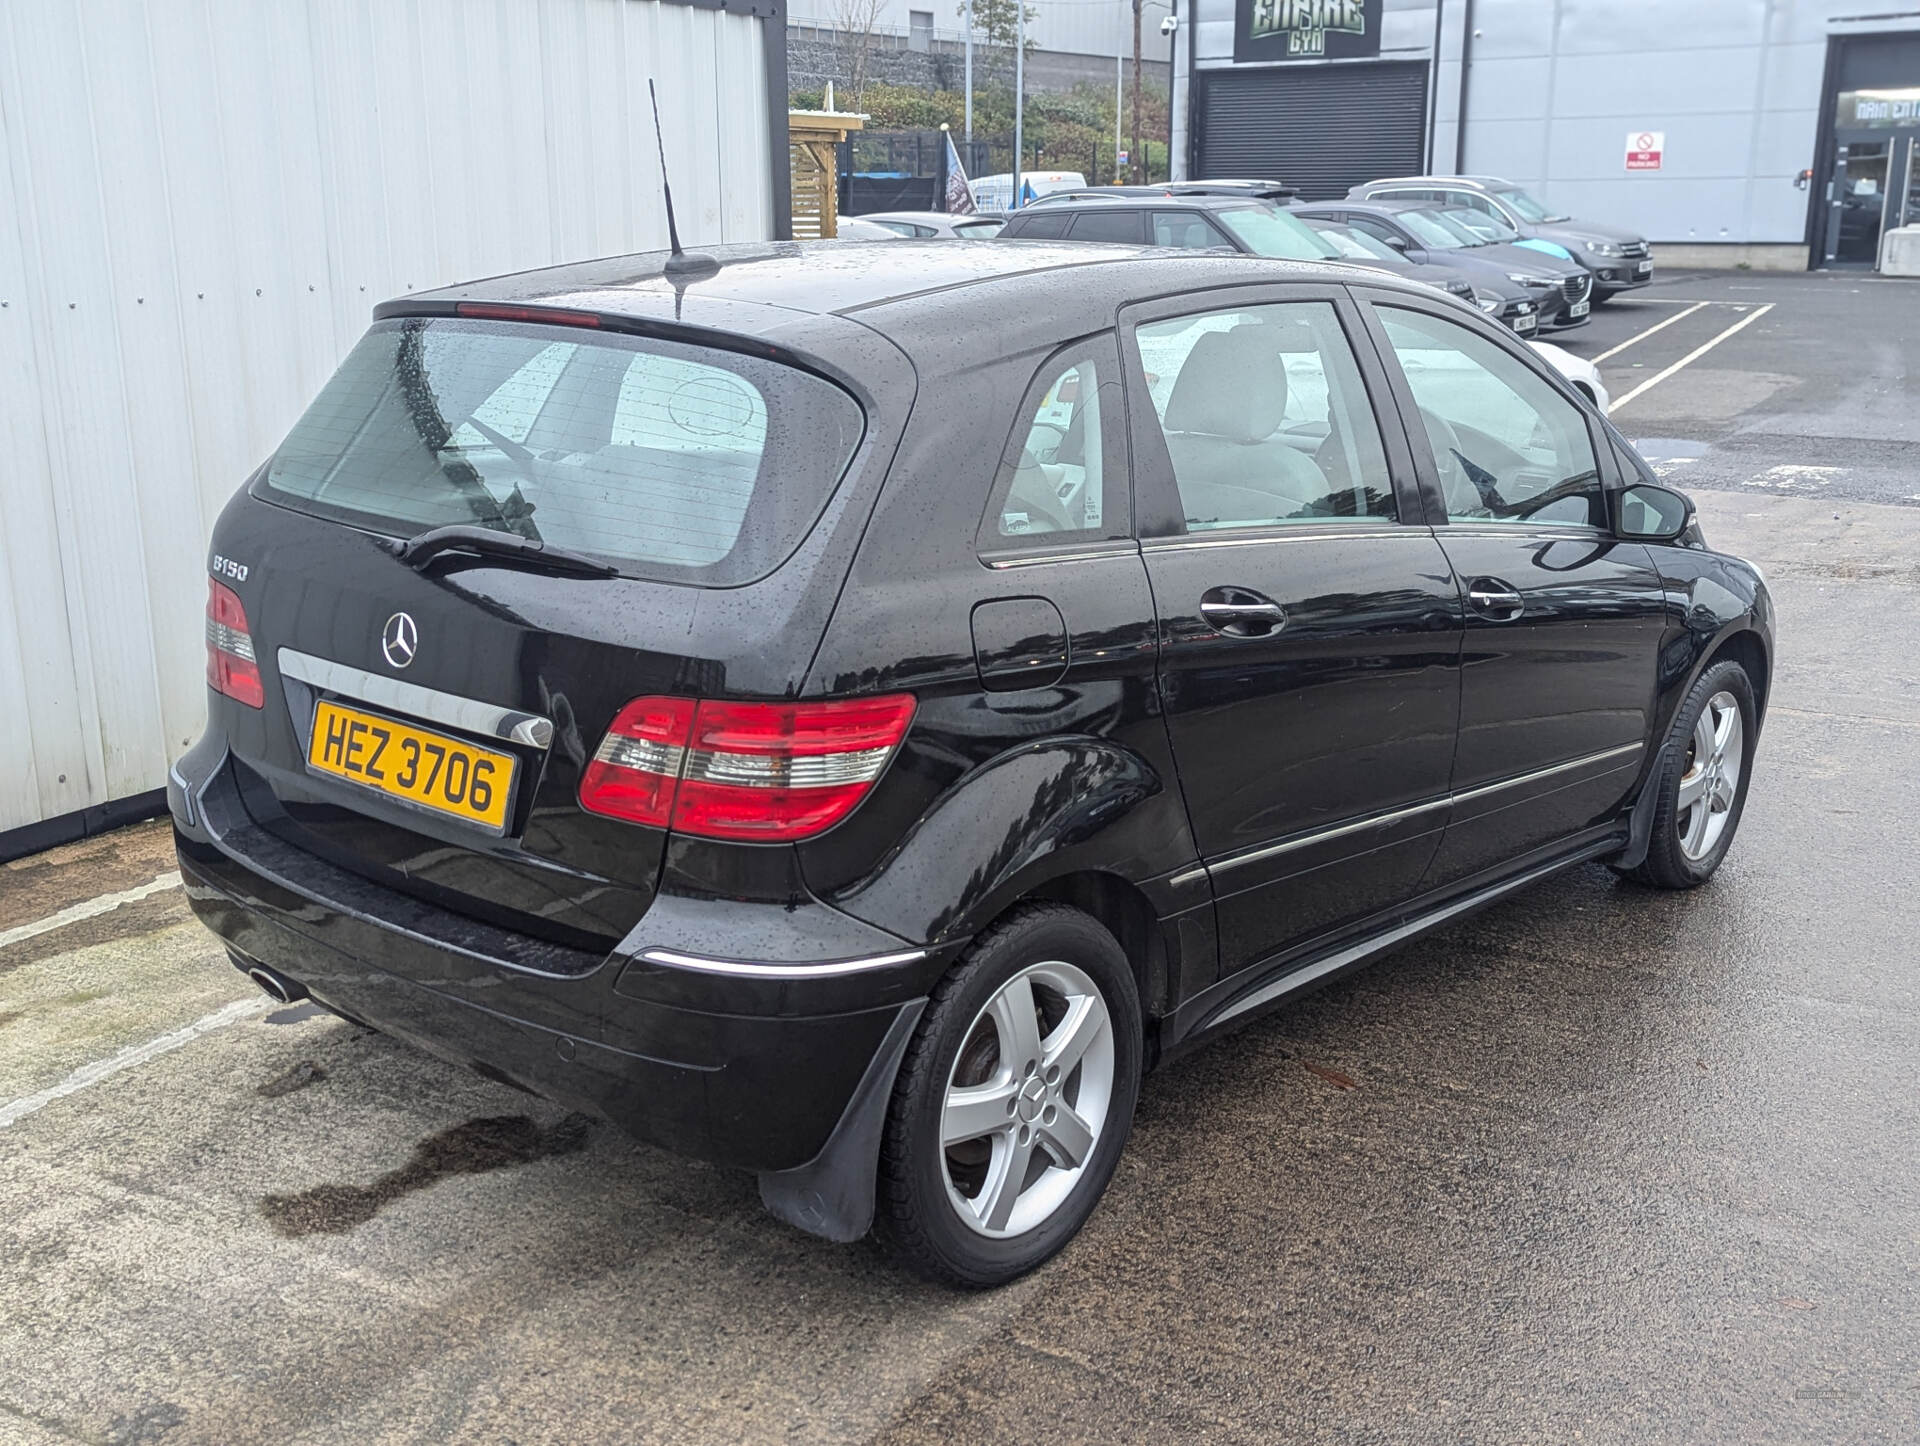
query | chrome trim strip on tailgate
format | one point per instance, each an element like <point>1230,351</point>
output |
<point>469,715</point>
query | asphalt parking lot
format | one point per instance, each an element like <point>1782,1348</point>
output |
<point>1596,1165</point>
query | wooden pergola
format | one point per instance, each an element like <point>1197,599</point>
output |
<point>813,137</point>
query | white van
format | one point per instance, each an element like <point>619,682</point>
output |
<point>995,193</point>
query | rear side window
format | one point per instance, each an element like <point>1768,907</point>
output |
<point>674,462</point>
<point>1106,226</point>
<point>1058,480</point>
<point>1038,228</point>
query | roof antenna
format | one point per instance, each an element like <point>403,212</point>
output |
<point>679,263</point>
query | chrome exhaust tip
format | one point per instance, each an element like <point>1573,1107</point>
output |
<point>276,987</point>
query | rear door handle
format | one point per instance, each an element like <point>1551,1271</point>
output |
<point>1240,612</point>
<point>1492,598</point>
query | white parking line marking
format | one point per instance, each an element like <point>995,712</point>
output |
<point>105,904</point>
<point>1643,335</point>
<point>1691,357</point>
<point>89,1075</point>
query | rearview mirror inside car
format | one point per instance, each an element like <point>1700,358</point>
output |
<point>1653,514</point>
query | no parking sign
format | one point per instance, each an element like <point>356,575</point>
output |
<point>1644,148</point>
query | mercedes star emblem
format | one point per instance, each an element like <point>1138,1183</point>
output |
<point>398,640</point>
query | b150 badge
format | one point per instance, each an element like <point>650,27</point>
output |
<point>227,567</point>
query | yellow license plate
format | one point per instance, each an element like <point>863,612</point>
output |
<point>429,769</point>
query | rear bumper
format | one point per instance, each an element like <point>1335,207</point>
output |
<point>684,1036</point>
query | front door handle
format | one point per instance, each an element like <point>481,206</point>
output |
<point>1240,612</point>
<point>1492,598</point>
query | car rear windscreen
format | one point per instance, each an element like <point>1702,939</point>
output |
<point>675,462</point>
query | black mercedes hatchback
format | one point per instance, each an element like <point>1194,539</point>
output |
<point>845,711</point>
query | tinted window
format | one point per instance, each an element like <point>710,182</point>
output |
<point>670,461</point>
<point>1185,228</point>
<point>1507,446</point>
<point>977,230</point>
<point>1265,417</point>
<point>1041,227</point>
<point>1106,226</point>
<point>1055,478</point>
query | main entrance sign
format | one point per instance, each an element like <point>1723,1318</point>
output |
<point>1305,29</point>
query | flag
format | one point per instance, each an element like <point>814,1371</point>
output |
<point>959,194</point>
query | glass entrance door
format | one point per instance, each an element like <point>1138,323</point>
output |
<point>1873,189</point>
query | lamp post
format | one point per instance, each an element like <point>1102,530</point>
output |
<point>969,77</point>
<point>1019,93</point>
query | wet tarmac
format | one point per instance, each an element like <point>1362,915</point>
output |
<point>1597,1165</point>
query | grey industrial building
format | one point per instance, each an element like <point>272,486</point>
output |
<point>1775,133</point>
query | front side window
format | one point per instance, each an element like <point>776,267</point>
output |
<point>1056,479</point>
<point>1379,230</point>
<point>1185,228</point>
<point>1436,233</point>
<point>1265,418</point>
<point>670,461</point>
<point>1506,445</point>
<point>1482,224</point>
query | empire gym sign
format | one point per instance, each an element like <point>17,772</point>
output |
<point>1305,29</point>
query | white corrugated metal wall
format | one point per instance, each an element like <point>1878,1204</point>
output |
<point>200,200</point>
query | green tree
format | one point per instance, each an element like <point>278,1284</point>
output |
<point>999,21</point>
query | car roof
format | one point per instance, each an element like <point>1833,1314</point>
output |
<point>933,218</point>
<point>930,298</point>
<point>1368,203</point>
<point>1482,183</point>
<point>1158,200</point>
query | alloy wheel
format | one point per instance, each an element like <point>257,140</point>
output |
<point>1711,780</point>
<point>1027,1099</point>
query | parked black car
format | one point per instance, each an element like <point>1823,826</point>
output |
<point>1619,260</point>
<point>1561,290</point>
<point>1203,220</point>
<point>845,710</point>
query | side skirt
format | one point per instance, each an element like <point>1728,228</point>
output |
<point>1236,1000</point>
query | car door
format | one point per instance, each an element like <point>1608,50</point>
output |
<point>1564,621</point>
<point>1309,623</point>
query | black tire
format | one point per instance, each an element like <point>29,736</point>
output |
<point>1667,865</point>
<point>914,1216</point>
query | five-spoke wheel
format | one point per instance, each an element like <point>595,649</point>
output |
<point>1699,780</point>
<point>1014,1099</point>
<point>1027,1098</point>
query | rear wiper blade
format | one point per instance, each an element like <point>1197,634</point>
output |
<point>417,551</point>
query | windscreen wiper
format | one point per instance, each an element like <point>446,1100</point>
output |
<point>417,551</point>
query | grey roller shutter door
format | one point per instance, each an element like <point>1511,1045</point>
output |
<point>1321,128</point>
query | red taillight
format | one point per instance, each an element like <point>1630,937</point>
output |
<point>633,772</point>
<point>231,669</point>
<point>766,772</point>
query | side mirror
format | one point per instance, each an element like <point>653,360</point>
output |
<point>1398,243</point>
<point>1652,514</point>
